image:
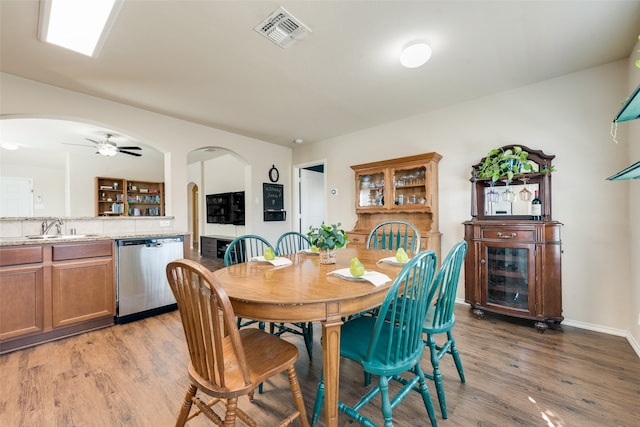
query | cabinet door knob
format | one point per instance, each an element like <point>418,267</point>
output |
<point>506,236</point>
<point>483,261</point>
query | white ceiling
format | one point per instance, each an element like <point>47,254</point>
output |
<point>202,61</point>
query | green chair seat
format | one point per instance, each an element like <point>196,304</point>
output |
<point>388,349</point>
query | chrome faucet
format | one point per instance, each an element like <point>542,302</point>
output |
<point>46,227</point>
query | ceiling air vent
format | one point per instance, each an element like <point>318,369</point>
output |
<point>282,28</point>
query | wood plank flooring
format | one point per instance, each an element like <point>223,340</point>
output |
<point>135,375</point>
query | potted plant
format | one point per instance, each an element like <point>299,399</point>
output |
<point>327,239</point>
<point>505,162</point>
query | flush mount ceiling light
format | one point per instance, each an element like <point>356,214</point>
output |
<point>78,25</point>
<point>415,54</point>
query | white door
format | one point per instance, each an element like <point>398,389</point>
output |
<point>16,197</point>
<point>311,195</point>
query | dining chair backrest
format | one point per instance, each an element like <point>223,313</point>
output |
<point>208,321</point>
<point>395,346</point>
<point>391,235</point>
<point>291,242</point>
<point>243,248</point>
<point>445,287</point>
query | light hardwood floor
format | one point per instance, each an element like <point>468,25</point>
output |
<point>135,375</point>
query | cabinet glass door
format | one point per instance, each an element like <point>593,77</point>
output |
<point>370,189</point>
<point>409,186</point>
<point>509,276</point>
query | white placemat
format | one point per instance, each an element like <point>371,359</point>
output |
<point>278,261</point>
<point>373,277</point>
<point>392,260</point>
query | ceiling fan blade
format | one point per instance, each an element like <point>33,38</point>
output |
<point>130,153</point>
<point>95,142</point>
<point>130,148</point>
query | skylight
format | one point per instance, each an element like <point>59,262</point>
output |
<point>78,25</point>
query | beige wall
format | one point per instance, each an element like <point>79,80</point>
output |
<point>568,116</point>
<point>633,131</point>
<point>175,138</point>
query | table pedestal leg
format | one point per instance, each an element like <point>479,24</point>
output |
<point>331,368</point>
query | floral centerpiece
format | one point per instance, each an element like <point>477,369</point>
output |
<point>327,238</point>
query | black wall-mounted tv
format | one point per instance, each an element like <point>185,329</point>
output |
<point>225,208</point>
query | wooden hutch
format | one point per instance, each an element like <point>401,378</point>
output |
<point>513,264</point>
<point>406,189</point>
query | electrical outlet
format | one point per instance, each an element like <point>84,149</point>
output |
<point>165,223</point>
<point>638,319</point>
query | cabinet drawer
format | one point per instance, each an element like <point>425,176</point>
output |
<point>516,235</point>
<point>82,250</point>
<point>20,255</point>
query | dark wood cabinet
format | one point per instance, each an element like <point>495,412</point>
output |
<point>214,246</point>
<point>513,268</point>
<point>513,263</point>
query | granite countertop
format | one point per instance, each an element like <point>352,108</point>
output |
<point>23,240</point>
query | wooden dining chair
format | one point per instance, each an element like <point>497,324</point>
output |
<point>226,362</point>
<point>288,243</point>
<point>440,318</point>
<point>391,344</point>
<point>394,234</point>
<point>242,249</point>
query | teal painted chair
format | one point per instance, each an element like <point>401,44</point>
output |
<point>288,243</point>
<point>391,235</point>
<point>242,249</point>
<point>388,349</point>
<point>440,318</point>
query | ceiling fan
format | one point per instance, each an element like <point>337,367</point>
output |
<point>110,148</point>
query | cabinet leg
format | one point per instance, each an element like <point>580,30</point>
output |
<point>541,327</point>
<point>478,313</point>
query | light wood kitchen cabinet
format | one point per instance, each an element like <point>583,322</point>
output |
<point>54,290</point>
<point>82,283</point>
<point>21,292</point>
<point>404,188</point>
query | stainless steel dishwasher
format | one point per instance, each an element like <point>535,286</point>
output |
<point>142,286</point>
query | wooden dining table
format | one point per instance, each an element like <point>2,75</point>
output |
<point>305,291</point>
